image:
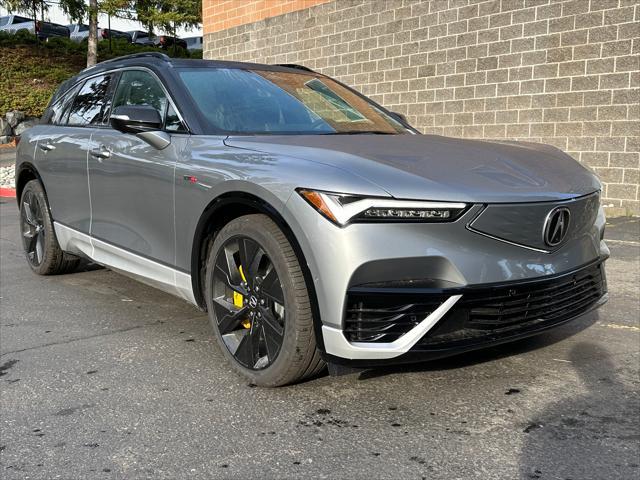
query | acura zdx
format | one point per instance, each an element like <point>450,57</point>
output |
<point>312,224</point>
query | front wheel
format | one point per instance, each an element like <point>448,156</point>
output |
<point>259,305</point>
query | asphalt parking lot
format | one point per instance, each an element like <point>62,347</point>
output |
<point>103,377</point>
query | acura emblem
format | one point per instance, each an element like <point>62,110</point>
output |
<point>556,226</point>
<point>253,301</point>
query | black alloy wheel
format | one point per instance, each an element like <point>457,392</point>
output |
<point>41,248</point>
<point>249,303</point>
<point>259,304</point>
<point>33,229</point>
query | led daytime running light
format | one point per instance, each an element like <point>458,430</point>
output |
<point>343,208</point>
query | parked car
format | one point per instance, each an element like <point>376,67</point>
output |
<point>310,222</point>
<point>142,38</point>
<point>166,41</point>
<point>78,32</point>
<point>44,30</point>
<point>105,33</point>
<point>193,43</point>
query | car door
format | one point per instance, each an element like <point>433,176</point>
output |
<point>131,182</point>
<point>62,151</point>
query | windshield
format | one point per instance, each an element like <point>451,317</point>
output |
<point>276,102</point>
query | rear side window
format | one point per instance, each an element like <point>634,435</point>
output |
<point>17,19</point>
<point>59,111</point>
<point>91,104</point>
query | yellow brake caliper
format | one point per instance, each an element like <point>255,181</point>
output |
<point>238,299</point>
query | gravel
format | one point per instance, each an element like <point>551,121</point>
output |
<point>7,176</point>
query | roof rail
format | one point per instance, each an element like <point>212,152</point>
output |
<point>295,65</point>
<point>162,56</point>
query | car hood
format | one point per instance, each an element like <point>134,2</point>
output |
<point>439,168</point>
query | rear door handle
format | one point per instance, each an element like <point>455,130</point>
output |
<point>101,153</point>
<point>46,147</point>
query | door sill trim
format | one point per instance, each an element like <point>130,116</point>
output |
<point>122,261</point>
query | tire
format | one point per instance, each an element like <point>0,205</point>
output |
<point>41,247</point>
<point>298,357</point>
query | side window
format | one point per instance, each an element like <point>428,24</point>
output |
<point>140,88</point>
<point>89,104</point>
<point>57,114</point>
<point>137,87</point>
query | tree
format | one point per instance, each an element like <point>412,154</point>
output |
<point>77,11</point>
<point>169,15</point>
<point>92,46</point>
<point>115,8</point>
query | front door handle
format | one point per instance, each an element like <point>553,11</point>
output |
<point>46,147</point>
<point>102,153</point>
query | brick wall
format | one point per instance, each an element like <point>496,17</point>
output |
<point>222,14</point>
<point>566,73</point>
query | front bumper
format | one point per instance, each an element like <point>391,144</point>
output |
<point>442,263</point>
<point>459,319</point>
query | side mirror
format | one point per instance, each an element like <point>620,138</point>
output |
<point>135,119</point>
<point>401,117</point>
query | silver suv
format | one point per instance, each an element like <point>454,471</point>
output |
<point>312,224</point>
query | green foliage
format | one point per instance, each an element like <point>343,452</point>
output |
<point>22,37</point>
<point>76,10</point>
<point>31,73</point>
<point>169,14</point>
<point>26,7</point>
<point>63,46</point>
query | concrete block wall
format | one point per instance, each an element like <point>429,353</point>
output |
<point>562,72</point>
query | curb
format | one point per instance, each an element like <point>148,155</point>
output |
<point>7,192</point>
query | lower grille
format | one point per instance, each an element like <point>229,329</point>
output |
<point>381,315</point>
<point>384,318</point>
<point>548,300</point>
<point>495,312</point>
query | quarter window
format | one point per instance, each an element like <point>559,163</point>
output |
<point>58,112</point>
<point>172,122</point>
<point>90,103</point>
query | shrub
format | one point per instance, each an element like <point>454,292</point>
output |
<point>24,37</point>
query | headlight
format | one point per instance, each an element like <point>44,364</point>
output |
<point>342,209</point>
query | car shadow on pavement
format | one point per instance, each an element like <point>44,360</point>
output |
<point>488,354</point>
<point>594,434</point>
<point>87,266</point>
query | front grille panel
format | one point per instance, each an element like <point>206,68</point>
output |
<point>379,315</point>
<point>523,223</point>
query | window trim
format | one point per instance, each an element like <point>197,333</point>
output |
<point>117,74</point>
<point>170,101</point>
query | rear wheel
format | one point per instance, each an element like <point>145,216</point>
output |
<point>41,247</point>
<point>259,305</point>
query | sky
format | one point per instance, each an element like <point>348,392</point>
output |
<point>55,15</point>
